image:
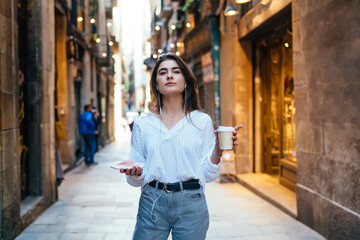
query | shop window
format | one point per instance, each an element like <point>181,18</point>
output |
<point>288,124</point>
<point>278,123</point>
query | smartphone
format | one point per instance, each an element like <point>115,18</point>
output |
<point>126,166</point>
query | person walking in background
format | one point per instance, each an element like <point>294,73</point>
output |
<point>88,131</point>
<point>174,152</point>
<point>97,120</point>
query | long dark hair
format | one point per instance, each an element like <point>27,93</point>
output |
<point>192,96</point>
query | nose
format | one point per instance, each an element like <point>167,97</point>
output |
<point>169,75</point>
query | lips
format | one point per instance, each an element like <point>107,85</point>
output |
<point>170,84</point>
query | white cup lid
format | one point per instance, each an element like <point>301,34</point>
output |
<point>225,129</point>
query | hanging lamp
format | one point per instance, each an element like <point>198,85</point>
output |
<point>230,10</point>
<point>242,1</point>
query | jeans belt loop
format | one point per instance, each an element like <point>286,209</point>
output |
<point>156,184</point>
<point>181,186</point>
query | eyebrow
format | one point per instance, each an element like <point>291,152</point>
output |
<point>171,68</point>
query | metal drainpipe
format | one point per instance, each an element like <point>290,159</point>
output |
<point>215,55</point>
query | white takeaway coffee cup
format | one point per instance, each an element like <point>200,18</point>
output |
<point>225,137</point>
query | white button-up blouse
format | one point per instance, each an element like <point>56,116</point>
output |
<point>178,154</point>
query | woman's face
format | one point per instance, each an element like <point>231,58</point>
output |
<point>170,79</point>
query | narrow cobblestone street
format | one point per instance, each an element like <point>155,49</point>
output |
<point>96,203</point>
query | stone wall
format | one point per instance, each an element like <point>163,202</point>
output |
<point>15,213</point>
<point>9,112</point>
<point>327,85</point>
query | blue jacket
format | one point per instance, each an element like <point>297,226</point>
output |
<point>87,124</point>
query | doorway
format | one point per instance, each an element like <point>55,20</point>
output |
<point>276,104</point>
<point>23,116</point>
<point>78,111</point>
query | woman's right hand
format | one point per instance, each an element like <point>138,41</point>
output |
<point>134,171</point>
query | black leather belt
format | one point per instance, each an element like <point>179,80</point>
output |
<point>175,187</point>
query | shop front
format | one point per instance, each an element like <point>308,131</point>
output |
<point>283,52</point>
<point>266,64</point>
<point>274,103</point>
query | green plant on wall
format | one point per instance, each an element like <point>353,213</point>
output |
<point>187,5</point>
<point>197,4</point>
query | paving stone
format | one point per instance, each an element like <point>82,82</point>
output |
<point>233,232</point>
<point>117,236</point>
<point>72,236</point>
<point>39,236</point>
<point>35,228</point>
<point>94,236</point>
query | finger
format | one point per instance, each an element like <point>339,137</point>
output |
<point>138,171</point>
<point>236,143</point>
<point>132,171</point>
<point>237,127</point>
<point>128,171</point>
<point>234,138</point>
<point>234,133</point>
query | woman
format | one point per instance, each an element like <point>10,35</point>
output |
<point>178,147</point>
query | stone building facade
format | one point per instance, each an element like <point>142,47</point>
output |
<point>50,66</point>
<point>39,72</point>
<point>327,85</point>
<point>295,68</point>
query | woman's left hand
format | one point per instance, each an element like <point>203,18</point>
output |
<point>237,128</point>
<point>217,149</point>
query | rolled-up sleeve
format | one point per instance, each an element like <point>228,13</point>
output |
<point>211,171</point>
<point>136,154</point>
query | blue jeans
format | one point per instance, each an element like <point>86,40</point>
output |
<point>185,213</point>
<point>90,148</point>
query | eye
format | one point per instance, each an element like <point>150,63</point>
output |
<point>177,71</point>
<point>162,73</point>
